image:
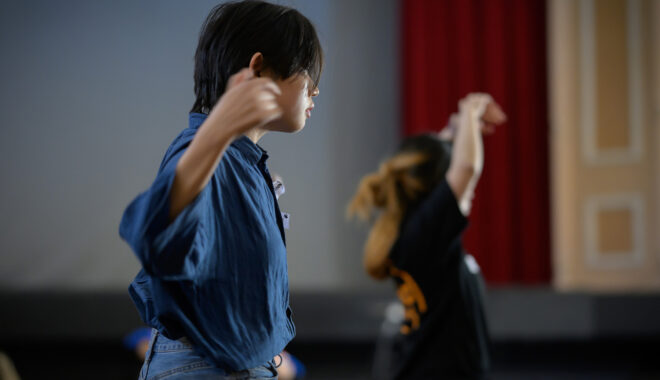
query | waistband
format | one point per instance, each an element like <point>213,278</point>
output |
<point>164,344</point>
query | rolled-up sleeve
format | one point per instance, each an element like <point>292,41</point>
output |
<point>167,250</point>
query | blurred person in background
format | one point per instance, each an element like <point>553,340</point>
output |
<point>424,195</point>
<point>208,232</point>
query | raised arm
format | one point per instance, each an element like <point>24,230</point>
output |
<point>248,103</point>
<point>478,114</point>
<point>161,223</point>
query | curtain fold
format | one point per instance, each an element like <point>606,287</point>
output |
<point>453,47</point>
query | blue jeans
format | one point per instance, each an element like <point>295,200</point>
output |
<point>176,360</point>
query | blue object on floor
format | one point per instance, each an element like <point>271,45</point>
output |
<point>301,371</point>
<point>131,340</point>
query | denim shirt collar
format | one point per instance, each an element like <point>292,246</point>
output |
<point>252,152</point>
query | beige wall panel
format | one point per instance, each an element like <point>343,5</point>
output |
<point>582,170</point>
<point>652,48</point>
<point>612,111</point>
<point>564,134</point>
<point>652,103</point>
<point>615,232</point>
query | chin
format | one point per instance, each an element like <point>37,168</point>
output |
<point>290,128</point>
<point>297,128</point>
<point>287,126</point>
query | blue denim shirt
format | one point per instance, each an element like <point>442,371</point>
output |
<point>217,274</point>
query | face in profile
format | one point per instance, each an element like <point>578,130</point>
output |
<point>296,102</point>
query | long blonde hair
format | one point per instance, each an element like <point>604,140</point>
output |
<point>387,190</point>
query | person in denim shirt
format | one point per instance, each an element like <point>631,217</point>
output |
<point>208,232</point>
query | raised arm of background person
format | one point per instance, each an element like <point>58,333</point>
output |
<point>467,152</point>
<point>247,103</point>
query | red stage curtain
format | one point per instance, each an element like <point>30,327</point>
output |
<point>453,47</point>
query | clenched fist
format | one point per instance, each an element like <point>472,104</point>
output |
<point>248,102</point>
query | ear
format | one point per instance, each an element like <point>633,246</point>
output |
<point>257,64</point>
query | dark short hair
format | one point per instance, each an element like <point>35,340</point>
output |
<point>432,171</point>
<point>234,31</point>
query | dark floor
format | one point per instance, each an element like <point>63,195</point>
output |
<point>610,359</point>
<point>539,333</point>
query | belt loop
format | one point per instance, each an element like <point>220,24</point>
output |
<point>281,360</point>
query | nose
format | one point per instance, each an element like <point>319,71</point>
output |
<point>315,92</point>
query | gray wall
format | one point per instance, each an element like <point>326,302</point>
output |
<point>92,93</point>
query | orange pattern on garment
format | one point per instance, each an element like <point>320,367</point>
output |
<point>411,297</point>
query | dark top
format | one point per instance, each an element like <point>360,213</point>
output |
<point>444,334</point>
<point>218,273</point>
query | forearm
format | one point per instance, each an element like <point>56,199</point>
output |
<point>467,158</point>
<point>247,103</point>
<point>468,146</point>
<point>197,165</point>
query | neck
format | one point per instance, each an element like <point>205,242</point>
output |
<point>255,134</point>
